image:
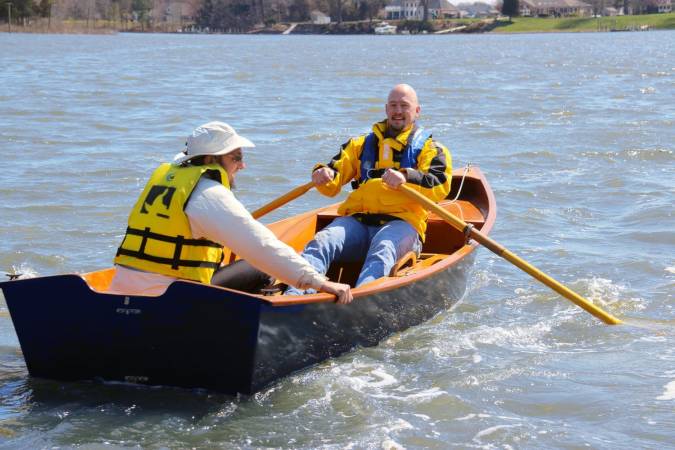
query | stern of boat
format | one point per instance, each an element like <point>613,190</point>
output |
<point>191,336</point>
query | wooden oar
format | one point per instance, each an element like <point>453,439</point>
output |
<point>281,201</point>
<point>496,248</point>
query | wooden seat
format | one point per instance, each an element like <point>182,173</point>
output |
<point>407,260</point>
<point>462,209</point>
<point>444,238</point>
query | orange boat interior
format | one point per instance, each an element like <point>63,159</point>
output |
<point>442,241</point>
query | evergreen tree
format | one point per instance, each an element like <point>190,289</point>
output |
<point>203,19</point>
<point>298,11</point>
<point>510,8</point>
<point>44,8</point>
<point>142,9</point>
<point>21,9</point>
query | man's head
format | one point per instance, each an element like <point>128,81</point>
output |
<point>216,142</point>
<point>402,107</point>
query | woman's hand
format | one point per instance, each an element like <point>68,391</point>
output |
<point>343,292</point>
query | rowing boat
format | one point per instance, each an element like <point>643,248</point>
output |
<point>195,335</point>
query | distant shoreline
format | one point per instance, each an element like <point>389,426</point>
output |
<point>644,22</point>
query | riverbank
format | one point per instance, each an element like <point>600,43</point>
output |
<point>587,24</point>
<point>448,26</point>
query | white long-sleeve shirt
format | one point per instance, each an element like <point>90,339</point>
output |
<point>215,214</point>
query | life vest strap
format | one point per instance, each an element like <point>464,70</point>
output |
<point>147,234</point>
<point>374,219</point>
<point>168,261</point>
<point>369,155</point>
<point>178,241</point>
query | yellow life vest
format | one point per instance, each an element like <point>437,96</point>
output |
<point>371,196</point>
<point>158,237</point>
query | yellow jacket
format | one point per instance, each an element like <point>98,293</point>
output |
<point>431,175</point>
<point>158,237</point>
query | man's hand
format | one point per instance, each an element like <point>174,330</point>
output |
<point>322,175</point>
<point>393,178</point>
<point>342,291</point>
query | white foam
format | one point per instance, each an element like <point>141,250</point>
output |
<point>669,393</point>
<point>417,397</point>
<point>24,271</point>
<point>473,416</point>
<point>388,444</point>
<point>603,291</point>
<point>385,378</point>
<point>670,269</point>
<point>489,431</point>
<point>364,378</point>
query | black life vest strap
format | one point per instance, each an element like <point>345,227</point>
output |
<point>168,261</point>
<point>374,219</point>
<point>147,234</point>
<point>178,241</point>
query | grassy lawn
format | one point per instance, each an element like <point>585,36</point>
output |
<point>534,24</point>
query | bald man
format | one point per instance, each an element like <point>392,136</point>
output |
<point>378,224</point>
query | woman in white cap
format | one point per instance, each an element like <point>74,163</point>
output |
<point>186,215</point>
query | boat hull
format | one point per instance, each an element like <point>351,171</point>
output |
<point>196,336</point>
<point>291,338</point>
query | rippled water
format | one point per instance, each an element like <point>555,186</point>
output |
<point>575,133</point>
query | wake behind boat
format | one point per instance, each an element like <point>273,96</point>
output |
<point>196,335</point>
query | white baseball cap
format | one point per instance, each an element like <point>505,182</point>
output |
<point>213,138</point>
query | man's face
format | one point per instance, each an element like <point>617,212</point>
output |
<point>233,162</point>
<point>402,109</point>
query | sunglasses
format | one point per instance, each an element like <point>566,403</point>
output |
<point>236,158</point>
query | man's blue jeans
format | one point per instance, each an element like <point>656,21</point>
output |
<point>348,240</point>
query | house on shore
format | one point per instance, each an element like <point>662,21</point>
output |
<point>659,6</point>
<point>477,10</point>
<point>554,8</point>
<point>414,10</point>
<point>319,18</point>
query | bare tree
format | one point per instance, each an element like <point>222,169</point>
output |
<point>336,9</point>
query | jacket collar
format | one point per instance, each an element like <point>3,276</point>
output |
<point>380,130</point>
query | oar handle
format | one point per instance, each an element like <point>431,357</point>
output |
<point>281,201</point>
<point>501,251</point>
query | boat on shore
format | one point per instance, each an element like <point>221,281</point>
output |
<point>385,28</point>
<point>200,336</point>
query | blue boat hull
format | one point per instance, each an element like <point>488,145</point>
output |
<point>197,336</point>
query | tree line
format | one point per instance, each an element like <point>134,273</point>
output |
<point>229,15</point>
<point>214,15</point>
<point>111,10</point>
<point>235,15</point>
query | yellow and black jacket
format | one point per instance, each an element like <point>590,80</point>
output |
<point>363,160</point>
<point>158,237</point>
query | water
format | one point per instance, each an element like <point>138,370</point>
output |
<point>575,133</point>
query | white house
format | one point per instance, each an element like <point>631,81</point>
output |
<point>414,10</point>
<point>319,18</point>
<point>661,6</point>
<point>557,8</point>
